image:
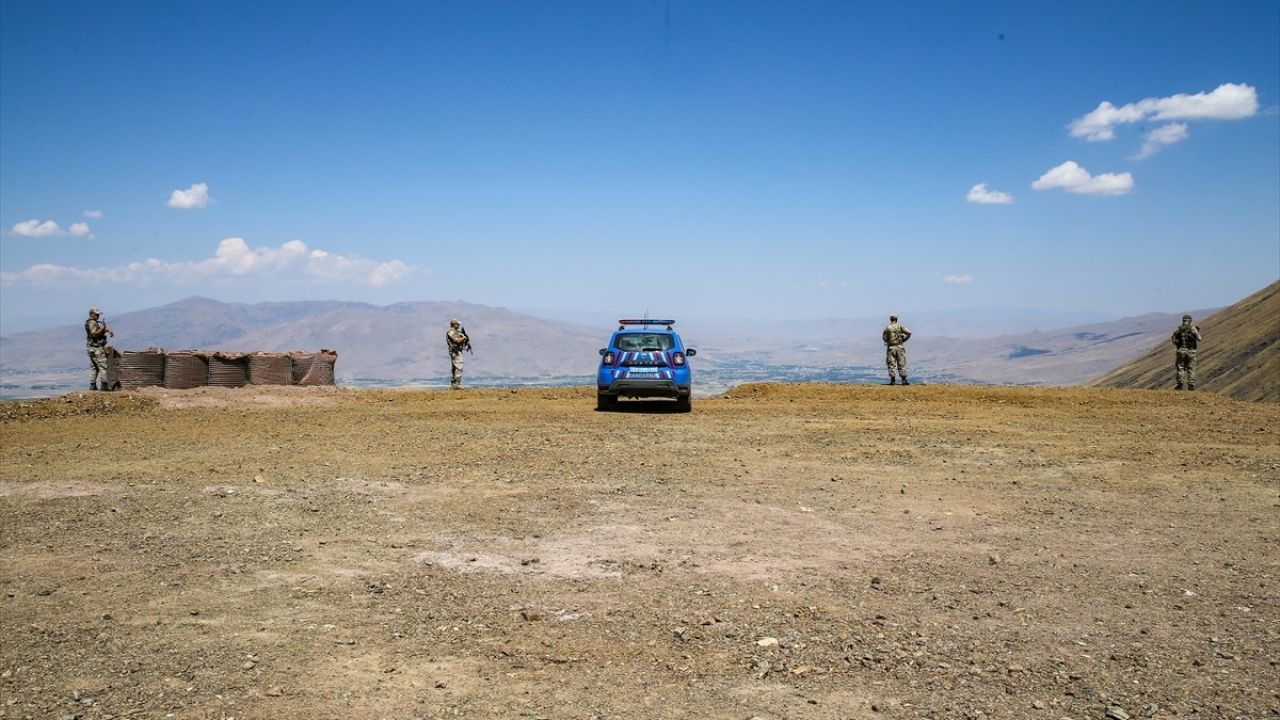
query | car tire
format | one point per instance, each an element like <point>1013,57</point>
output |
<point>684,404</point>
<point>606,402</point>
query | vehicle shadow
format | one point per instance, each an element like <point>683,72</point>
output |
<point>647,407</point>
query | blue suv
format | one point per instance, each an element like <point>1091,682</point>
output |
<point>645,359</point>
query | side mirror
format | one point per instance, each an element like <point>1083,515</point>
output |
<point>603,351</point>
<point>690,352</point>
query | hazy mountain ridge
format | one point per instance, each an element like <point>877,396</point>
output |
<point>1240,355</point>
<point>404,343</point>
<point>1066,356</point>
<point>1063,356</point>
<point>398,342</point>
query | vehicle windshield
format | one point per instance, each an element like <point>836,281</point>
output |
<point>645,342</point>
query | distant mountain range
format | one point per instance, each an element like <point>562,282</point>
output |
<point>1240,356</point>
<point>1063,356</point>
<point>403,344</point>
<point>396,343</point>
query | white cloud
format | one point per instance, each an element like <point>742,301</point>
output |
<point>93,214</point>
<point>36,229</point>
<point>387,272</point>
<point>195,197</point>
<point>1071,177</point>
<point>981,195</point>
<point>49,228</point>
<point>1227,102</point>
<point>1157,139</point>
<point>958,279</point>
<point>233,259</point>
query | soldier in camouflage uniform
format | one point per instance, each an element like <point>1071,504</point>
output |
<point>895,336</point>
<point>1186,339</point>
<point>96,332</point>
<point>457,341</point>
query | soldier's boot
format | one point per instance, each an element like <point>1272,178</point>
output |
<point>893,381</point>
<point>1191,386</point>
<point>93,387</point>
<point>906,381</point>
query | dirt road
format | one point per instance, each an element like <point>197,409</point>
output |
<point>795,552</point>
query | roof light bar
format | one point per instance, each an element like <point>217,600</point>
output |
<point>646,321</point>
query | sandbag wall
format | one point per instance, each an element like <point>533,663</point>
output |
<point>186,369</point>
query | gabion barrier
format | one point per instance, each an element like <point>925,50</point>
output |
<point>140,368</point>
<point>113,368</point>
<point>186,369</point>
<point>270,369</point>
<point>229,369</point>
<point>313,368</point>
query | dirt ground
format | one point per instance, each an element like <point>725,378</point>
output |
<point>806,552</point>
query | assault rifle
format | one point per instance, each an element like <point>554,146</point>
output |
<point>106,330</point>
<point>467,345</point>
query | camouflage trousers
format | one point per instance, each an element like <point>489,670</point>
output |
<point>97,367</point>
<point>895,356</point>
<point>1185,367</point>
<point>455,362</point>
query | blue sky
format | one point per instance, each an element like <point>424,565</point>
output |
<point>700,159</point>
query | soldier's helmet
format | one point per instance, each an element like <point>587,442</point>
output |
<point>454,323</point>
<point>893,318</point>
<point>1186,318</point>
<point>94,311</point>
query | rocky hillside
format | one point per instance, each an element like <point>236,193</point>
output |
<point>1240,356</point>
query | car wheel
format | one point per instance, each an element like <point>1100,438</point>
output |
<point>606,402</point>
<point>684,404</point>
